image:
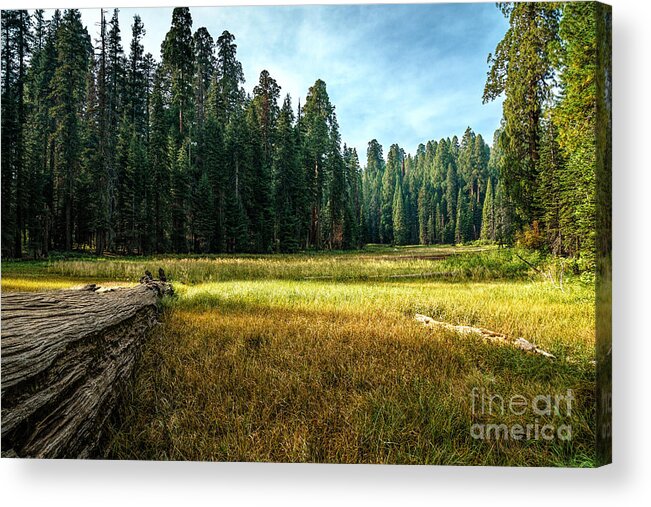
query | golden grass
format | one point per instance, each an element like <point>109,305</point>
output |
<point>260,364</point>
<point>367,265</point>
<point>19,284</point>
<point>269,384</point>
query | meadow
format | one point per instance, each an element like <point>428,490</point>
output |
<point>317,357</point>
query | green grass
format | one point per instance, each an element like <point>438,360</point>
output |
<point>372,263</point>
<point>317,357</point>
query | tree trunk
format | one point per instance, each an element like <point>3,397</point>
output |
<point>67,357</point>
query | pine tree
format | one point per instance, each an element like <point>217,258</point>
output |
<point>204,214</point>
<point>390,178</point>
<point>353,219</point>
<point>503,214</point>
<point>488,214</point>
<point>101,156</point>
<point>136,88</point>
<point>439,224</point>
<point>258,181</point>
<point>400,226</point>
<point>451,197</point>
<point>424,214</point>
<point>265,101</point>
<point>205,67</point>
<point>226,107</point>
<point>523,69</point>
<point>136,197</point>
<point>264,115</point>
<point>237,192</point>
<point>178,58</point>
<point>68,93</point>
<point>37,133</point>
<point>179,194</point>
<point>479,177</point>
<point>115,78</point>
<point>372,183</point>
<point>159,162</point>
<point>335,190</point>
<point>15,52</point>
<point>288,183</point>
<point>214,167</point>
<point>228,94</point>
<point>125,178</point>
<point>576,120</point>
<point>412,183</point>
<point>466,161</point>
<point>463,223</point>
<point>557,215</point>
<point>315,125</point>
<point>433,225</point>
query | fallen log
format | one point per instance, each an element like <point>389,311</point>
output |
<point>519,343</point>
<point>67,357</point>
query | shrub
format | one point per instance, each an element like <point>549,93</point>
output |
<point>530,237</point>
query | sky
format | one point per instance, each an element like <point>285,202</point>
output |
<point>398,73</point>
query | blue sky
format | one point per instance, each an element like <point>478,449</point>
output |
<point>398,73</point>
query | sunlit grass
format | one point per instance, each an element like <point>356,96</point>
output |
<point>373,263</point>
<point>318,357</point>
<point>12,283</point>
<point>562,320</point>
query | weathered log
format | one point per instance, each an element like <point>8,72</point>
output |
<point>67,357</point>
<point>492,336</point>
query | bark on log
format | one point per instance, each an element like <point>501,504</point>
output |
<point>67,357</point>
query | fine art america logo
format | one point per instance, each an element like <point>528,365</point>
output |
<point>543,409</point>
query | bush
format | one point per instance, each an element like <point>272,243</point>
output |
<point>530,237</point>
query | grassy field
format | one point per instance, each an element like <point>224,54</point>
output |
<point>318,357</point>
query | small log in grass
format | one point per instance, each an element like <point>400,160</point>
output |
<point>492,336</point>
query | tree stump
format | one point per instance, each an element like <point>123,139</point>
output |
<point>67,357</point>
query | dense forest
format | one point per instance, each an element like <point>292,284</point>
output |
<point>105,149</point>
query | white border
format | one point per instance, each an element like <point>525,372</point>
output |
<point>626,482</point>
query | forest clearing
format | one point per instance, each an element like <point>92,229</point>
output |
<point>318,357</point>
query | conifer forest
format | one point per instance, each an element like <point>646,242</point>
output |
<point>105,149</point>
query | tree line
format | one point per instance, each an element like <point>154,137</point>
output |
<point>552,67</point>
<point>106,149</point>
<point>448,192</point>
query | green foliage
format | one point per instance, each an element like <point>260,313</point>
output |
<point>575,116</point>
<point>547,146</point>
<point>111,152</point>
<point>488,214</point>
<point>289,183</point>
<point>463,227</point>
<point>68,88</point>
<point>522,69</point>
<point>400,226</point>
<point>426,226</point>
<point>178,58</point>
<point>228,93</point>
<point>390,178</point>
<point>372,189</point>
<point>204,219</point>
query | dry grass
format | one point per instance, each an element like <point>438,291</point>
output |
<point>263,365</point>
